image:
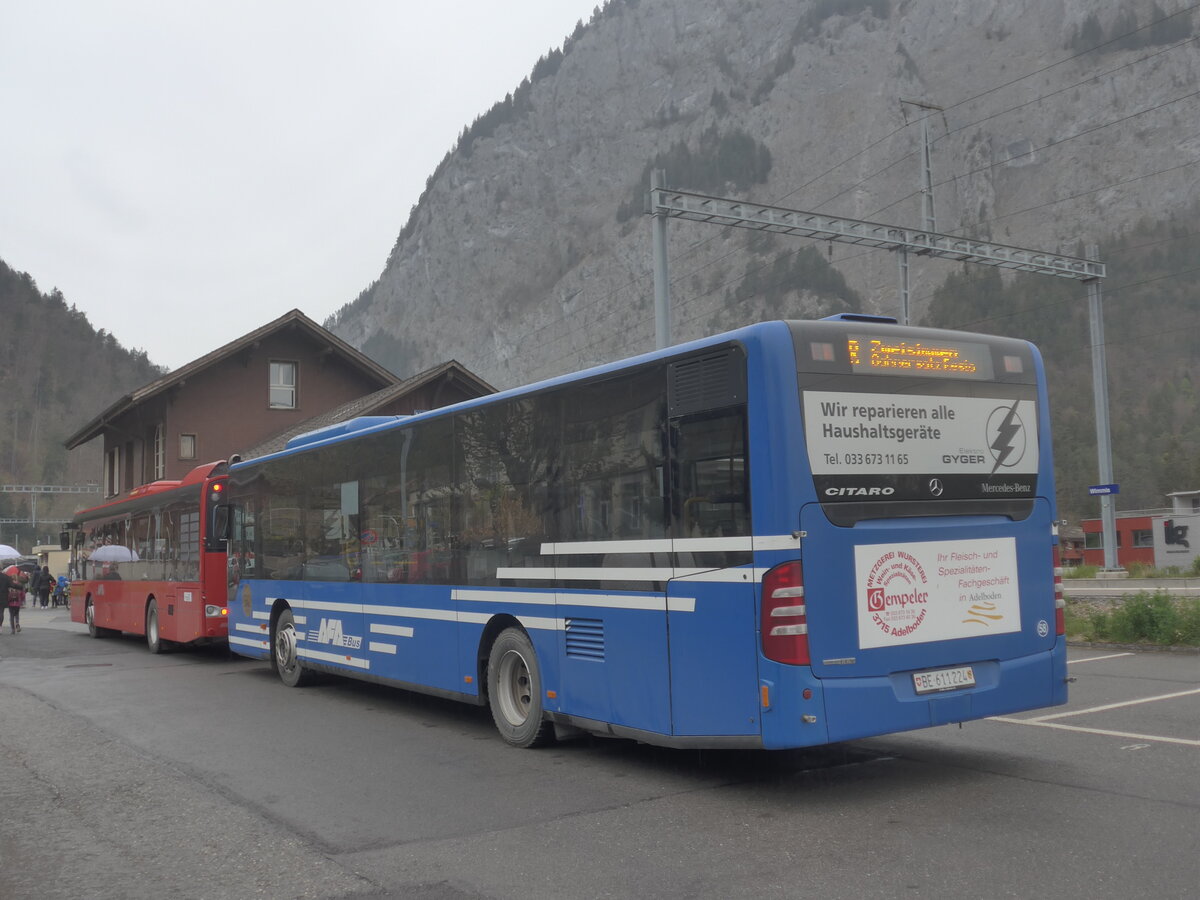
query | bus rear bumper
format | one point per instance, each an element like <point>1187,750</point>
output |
<point>870,706</point>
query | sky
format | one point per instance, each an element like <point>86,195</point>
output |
<point>187,172</point>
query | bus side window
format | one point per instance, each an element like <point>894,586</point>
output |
<point>711,488</point>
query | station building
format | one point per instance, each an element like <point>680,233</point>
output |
<point>1161,538</point>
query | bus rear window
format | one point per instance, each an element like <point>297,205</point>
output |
<point>926,422</point>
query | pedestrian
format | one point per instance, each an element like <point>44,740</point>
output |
<point>7,590</point>
<point>14,605</point>
<point>43,582</point>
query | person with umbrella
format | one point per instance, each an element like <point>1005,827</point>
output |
<point>10,595</point>
<point>111,554</point>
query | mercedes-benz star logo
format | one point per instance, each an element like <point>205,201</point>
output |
<point>935,487</point>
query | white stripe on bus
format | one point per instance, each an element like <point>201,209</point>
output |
<point>650,602</point>
<point>598,574</point>
<point>246,642</point>
<point>340,658</point>
<point>376,647</point>
<point>325,605</point>
<point>744,543</point>
<point>396,630</point>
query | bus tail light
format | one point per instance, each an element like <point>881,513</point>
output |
<point>1060,623</point>
<point>784,616</point>
<point>214,611</point>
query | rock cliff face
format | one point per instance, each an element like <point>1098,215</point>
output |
<point>529,256</point>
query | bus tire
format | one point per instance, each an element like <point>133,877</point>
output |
<point>287,660</point>
<point>514,681</point>
<point>154,641</point>
<point>89,616</point>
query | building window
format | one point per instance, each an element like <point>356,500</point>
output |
<point>1143,537</point>
<point>187,446</point>
<point>160,454</point>
<point>283,385</point>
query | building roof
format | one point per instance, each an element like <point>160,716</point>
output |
<point>371,403</point>
<point>294,319</point>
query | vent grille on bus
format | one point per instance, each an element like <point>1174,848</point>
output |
<point>585,638</point>
<point>709,381</point>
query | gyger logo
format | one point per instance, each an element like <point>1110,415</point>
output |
<point>1006,436</point>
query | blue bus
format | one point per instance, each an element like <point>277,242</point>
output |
<point>790,534</point>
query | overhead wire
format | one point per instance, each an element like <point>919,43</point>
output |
<point>963,102</point>
<point>692,248</point>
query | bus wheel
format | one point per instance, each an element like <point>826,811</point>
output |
<point>515,691</point>
<point>154,641</point>
<point>287,660</point>
<point>89,615</point>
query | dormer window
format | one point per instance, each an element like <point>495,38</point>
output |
<point>282,387</point>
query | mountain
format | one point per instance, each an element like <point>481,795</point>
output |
<point>1062,123</point>
<point>56,372</point>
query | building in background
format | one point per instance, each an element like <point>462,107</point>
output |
<point>285,378</point>
<point>1162,538</point>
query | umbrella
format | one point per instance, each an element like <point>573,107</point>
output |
<point>7,552</point>
<point>12,571</point>
<point>113,553</point>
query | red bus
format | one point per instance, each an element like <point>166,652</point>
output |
<point>153,562</point>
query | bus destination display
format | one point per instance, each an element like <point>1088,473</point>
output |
<point>896,356</point>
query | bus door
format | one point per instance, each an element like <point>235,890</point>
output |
<point>711,624</point>
<point>329,570</point>
<point>926,587</point>
<point>890,593</point>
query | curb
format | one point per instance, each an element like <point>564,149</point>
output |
<point>1160,648</point>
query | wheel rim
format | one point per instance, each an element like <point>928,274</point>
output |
<point>515,687</point>
<point>285,647</point>
<point>152,627</point>
<point>90,615</point>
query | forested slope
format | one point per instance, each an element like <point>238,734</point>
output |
<point>56,373</point>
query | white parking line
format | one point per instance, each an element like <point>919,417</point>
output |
<point>1080,712</point>
<point>1071,662</point>
<point>1104,731</point>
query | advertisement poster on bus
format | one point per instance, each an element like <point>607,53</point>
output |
<point>902,446</point>
<point>914,593</point>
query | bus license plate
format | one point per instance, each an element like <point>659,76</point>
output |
<point>944,679</point>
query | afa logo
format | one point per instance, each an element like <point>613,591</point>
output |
<point>330,632</point>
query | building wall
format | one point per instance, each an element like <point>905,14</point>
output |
<point>1126,552</point>
<point>1178,547</point>
<point>226,406</point>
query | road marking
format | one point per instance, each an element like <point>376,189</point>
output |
<point>1103,731</point>
<point>1071,662</point>
<point>1080,712</point>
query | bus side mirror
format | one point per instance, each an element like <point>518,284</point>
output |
<point>219,532</point>
<point>64,540</point>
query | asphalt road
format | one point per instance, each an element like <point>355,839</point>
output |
<point>197,775</point>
